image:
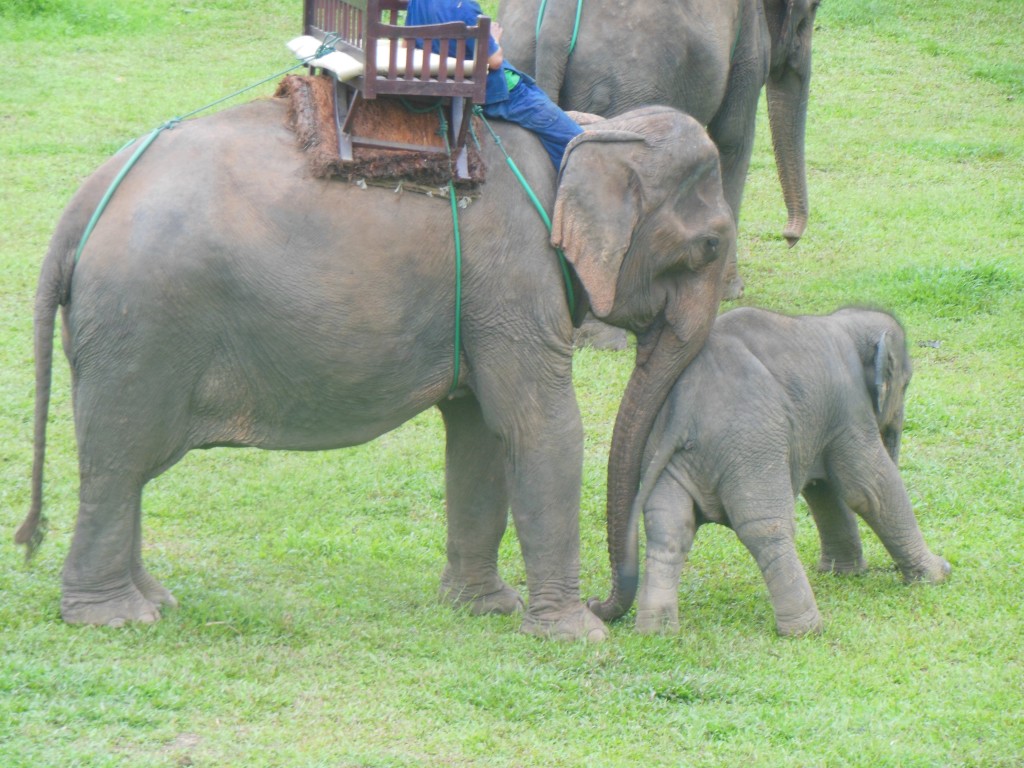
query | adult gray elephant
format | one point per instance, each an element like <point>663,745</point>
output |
<point>708,58</point>
<point>227,298</point>
<point>771,407</point>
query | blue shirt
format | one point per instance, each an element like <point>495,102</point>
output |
<point>467,11</point>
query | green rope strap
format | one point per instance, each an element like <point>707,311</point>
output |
<point>576,24</point>
<point>563,263</point>
<point>458,285</point>
<point>457,341</point>
<point>326,47</point>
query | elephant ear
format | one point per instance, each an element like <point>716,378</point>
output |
<point>890,376</point>
<point>884,364</point>
<point>596,210</point>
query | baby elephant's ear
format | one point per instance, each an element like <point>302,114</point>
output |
<point>883,366</point>
<point>890,376</point>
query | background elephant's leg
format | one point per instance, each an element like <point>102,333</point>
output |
<point>763,520</point>
<point>97,580</point>
<point>733,130</point>
<point>841,550</point>
<point>477,508</point>
<point>871,485</point>
<point>593,333</point>
<point>670,526</point>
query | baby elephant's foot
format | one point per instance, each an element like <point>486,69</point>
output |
<point>934,571</point>
<point>842,567</point>
<point>808,623</point>
<point>658,620</point>
<point>111,609</point>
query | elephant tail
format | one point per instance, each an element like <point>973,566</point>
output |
<point>54,289</point>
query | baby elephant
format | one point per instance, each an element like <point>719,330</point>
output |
<point>774,406</point>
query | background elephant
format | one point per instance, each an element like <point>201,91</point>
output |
<point>708,58</point>
<point>774,406</point>
<point>227,298</point>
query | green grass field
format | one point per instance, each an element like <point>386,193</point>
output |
<point>309,632</point>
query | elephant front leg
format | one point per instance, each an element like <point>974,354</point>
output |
<point>545,495</point>
<point>877,493</point>
<point>841,550</point>
<point>477,508</point>
<point>765,526</point>
<point>670,526</point>
<point>99,576</point>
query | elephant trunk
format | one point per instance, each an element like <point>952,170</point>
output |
<point>661,358</point>
<point>892,436</point>
<point>787,114</point>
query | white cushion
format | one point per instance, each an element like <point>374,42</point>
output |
<point>346,67</point>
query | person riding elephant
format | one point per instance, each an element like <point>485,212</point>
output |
<point>772,407</point>
<point>708,58</point>
<point>511,95</point>
<point>227,297</point>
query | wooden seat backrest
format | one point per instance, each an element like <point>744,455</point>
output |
<point>359,24</point>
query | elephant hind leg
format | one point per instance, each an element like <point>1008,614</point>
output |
<point>125,438</point>
<point>477,508</point>
<point>103,581</point>
<point>144,582</point>
<point>841,550</point>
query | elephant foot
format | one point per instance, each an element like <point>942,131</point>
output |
<point>734,287</point>
<point>494,598</point>
<point>579,624</point>
<point>660,620</point>
<point>808,623</point>
<point>110,609</point>
<point>842,567</point>
<point>593,333</point>
<point>935,571</point>
<point>152,589</point>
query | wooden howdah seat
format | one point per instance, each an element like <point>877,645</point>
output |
<point>376,56</point>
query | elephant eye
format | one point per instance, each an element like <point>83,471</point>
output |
<point>705,251</point>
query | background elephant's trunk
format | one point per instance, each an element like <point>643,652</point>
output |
<point>661,358</point>
<point>787,115</point>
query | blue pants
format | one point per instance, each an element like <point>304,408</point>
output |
<point>530,107</point>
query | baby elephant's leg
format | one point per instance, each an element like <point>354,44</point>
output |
<point>763,520</point>
<point>841,550</point>
<point>670,526</point>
